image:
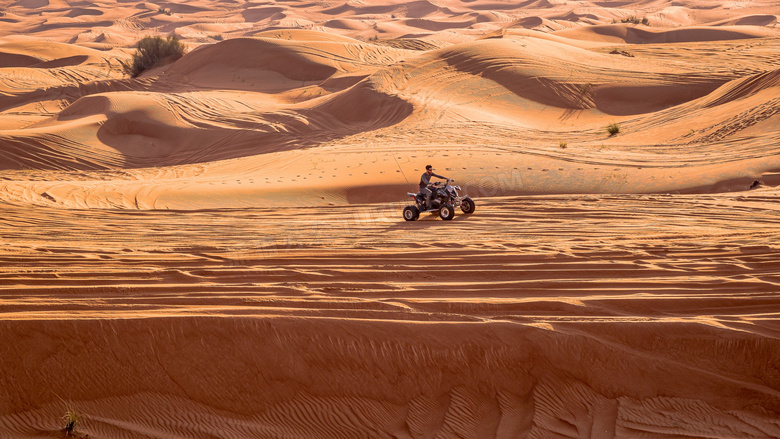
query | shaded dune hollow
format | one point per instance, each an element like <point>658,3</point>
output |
<point>580,80</point>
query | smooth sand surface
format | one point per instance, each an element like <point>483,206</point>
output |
<point>216,248</point>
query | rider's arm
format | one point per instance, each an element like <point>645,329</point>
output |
<point>437,175</point>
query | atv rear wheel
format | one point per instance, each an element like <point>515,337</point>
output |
<point>446,211</point>
<point>411,213</point>
<point>467,205</point>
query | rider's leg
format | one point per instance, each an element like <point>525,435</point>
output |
<point>427,194</point>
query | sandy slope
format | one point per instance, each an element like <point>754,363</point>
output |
<point>577,316</point>
<point>215,248</point>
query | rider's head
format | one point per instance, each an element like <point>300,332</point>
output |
<point>429,169</point>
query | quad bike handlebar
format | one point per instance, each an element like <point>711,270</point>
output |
<point>438,183</point>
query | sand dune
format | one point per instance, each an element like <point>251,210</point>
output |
<point>310,89</point>
<point>208,337</point>
<point>216,249</point>
<point>627,34</point>
<point>748,20</point>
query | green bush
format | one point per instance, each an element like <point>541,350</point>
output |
<point>152,50</point>
<point>613,129</point>
<point>636,20</point>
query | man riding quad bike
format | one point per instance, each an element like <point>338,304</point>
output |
<point>437,197</point>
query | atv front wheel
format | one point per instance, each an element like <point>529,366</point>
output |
<point>467,205</point>
<point>446,211</point>
<point>411,213</point>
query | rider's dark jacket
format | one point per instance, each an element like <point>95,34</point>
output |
<point>425,179</point>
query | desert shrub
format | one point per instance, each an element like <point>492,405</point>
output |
<point>152,50</point>
<point>71,419</point>
<point>217,37</point>
<point>621,52</point>
<point>613,129</point>
<point>563,145</point>
<point>636,20</point>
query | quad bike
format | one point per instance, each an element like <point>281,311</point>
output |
<point>444,200</point>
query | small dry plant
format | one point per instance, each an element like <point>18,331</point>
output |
<point>70,419</point>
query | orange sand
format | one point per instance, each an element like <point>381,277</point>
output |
<point>216,248</point>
